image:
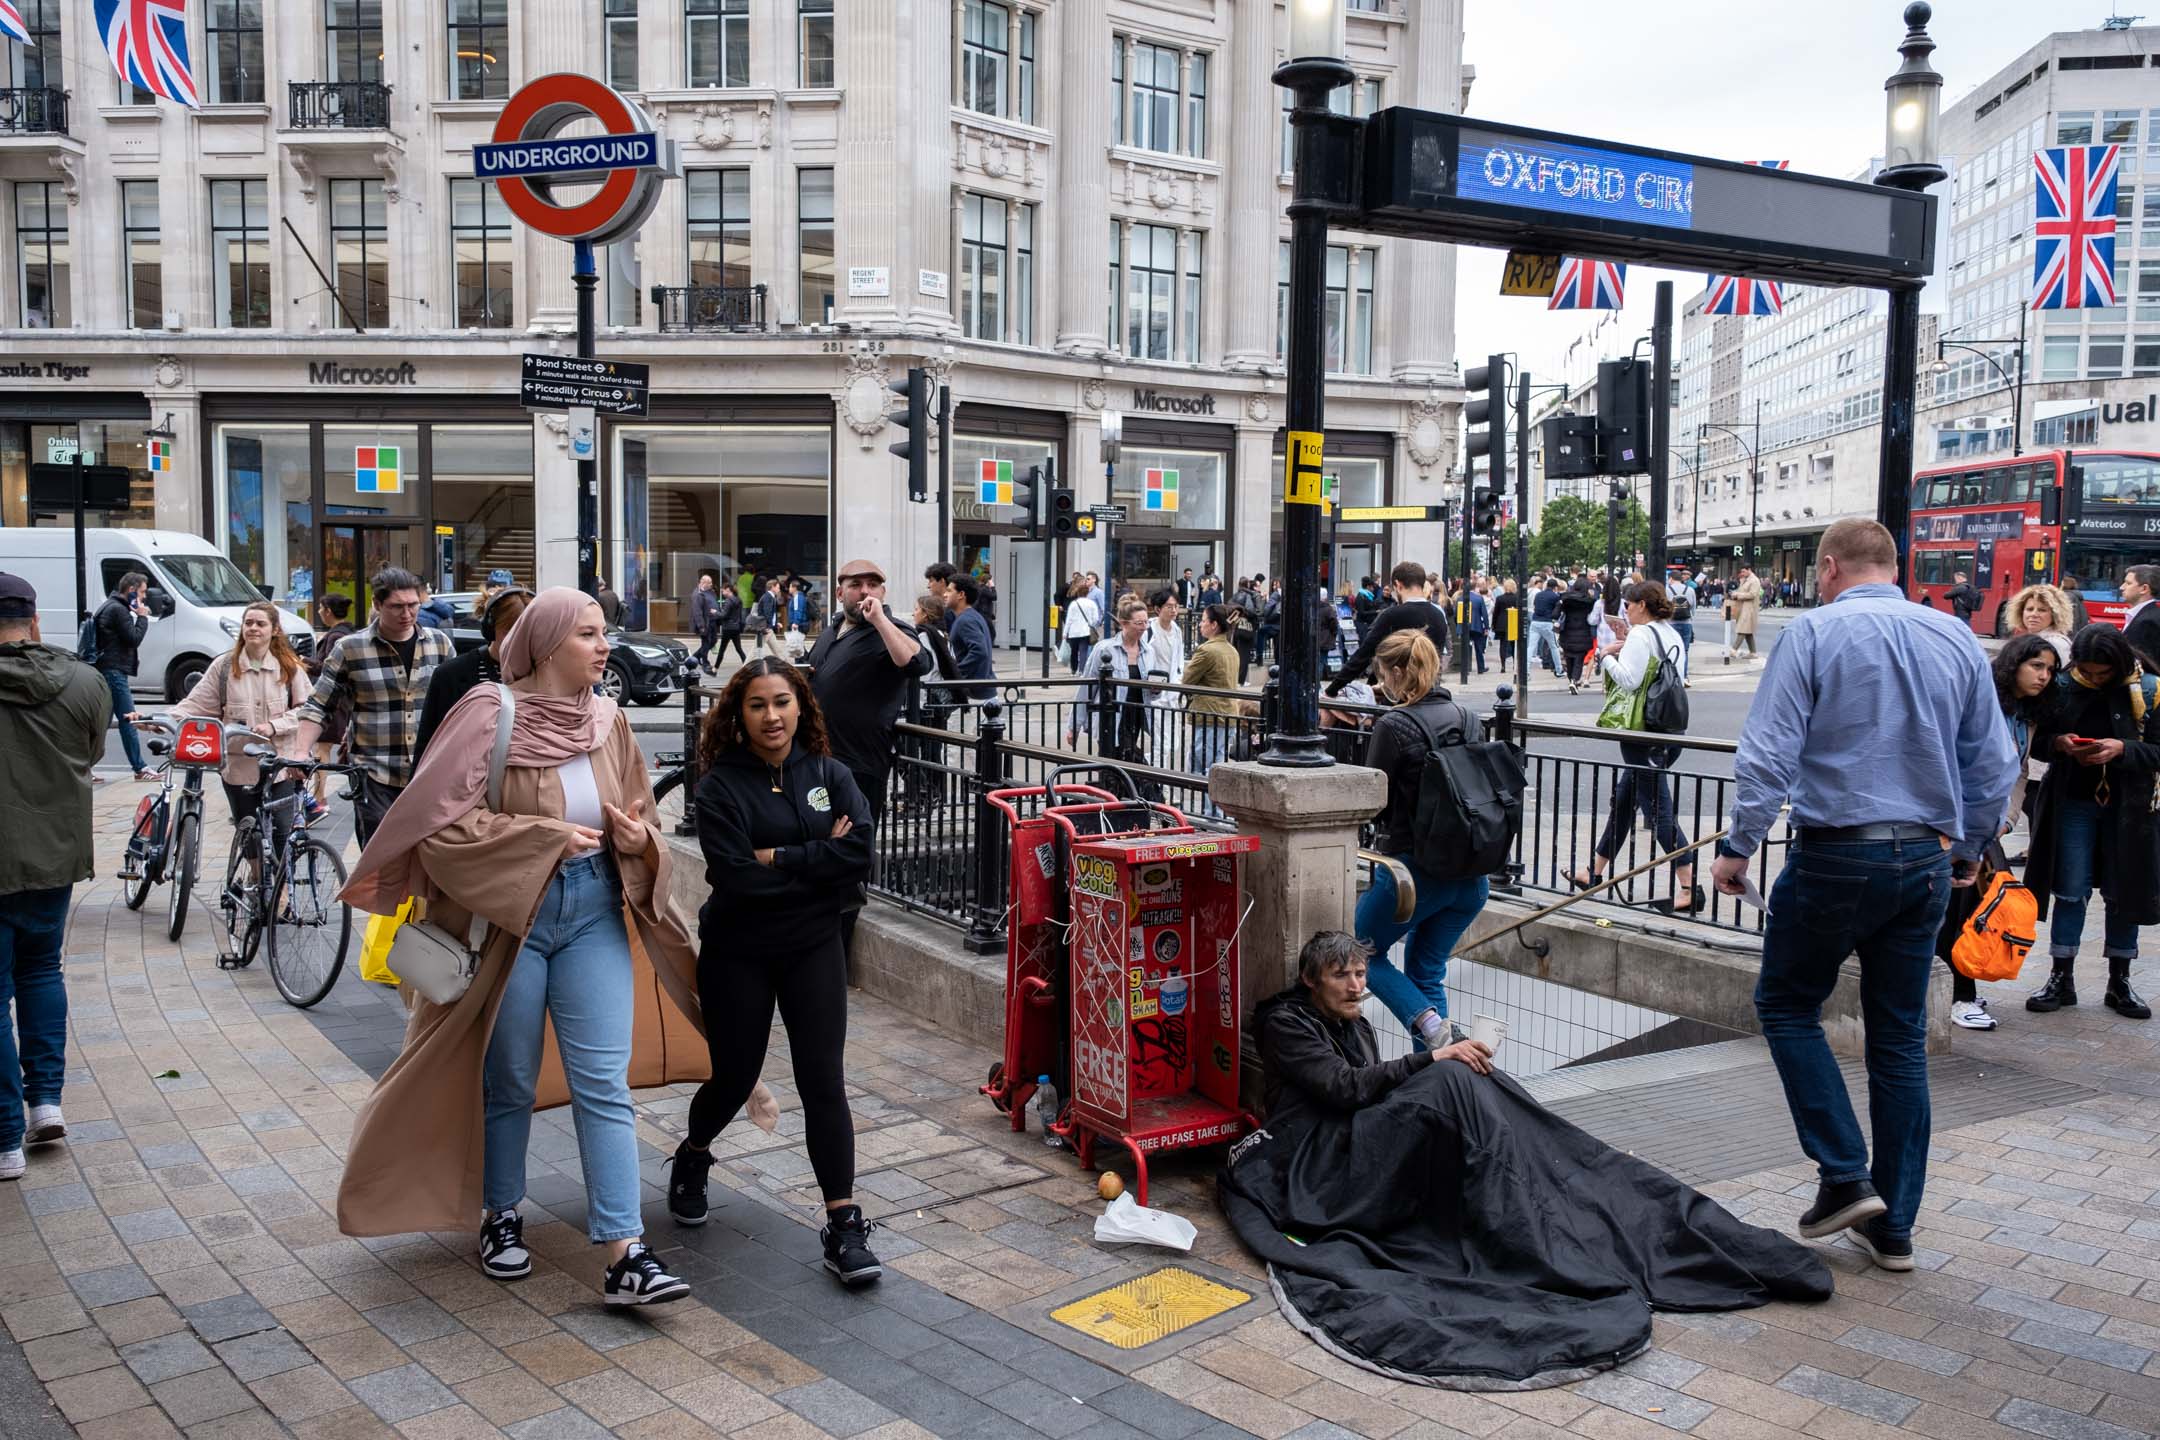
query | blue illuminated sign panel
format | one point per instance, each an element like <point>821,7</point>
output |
<point>1575,180</point>
<point>639,150</point>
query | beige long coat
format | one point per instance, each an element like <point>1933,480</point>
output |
<point>415,1160</point>
<point>1746,603</point>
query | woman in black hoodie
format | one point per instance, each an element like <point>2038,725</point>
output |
<point>787,839</point>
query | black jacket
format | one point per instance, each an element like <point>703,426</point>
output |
<point>1964,600</point>
<point>2143,633</point>
<point>704,611</point>
<point>119,631</point>
<point>448,685</point>
<point>1545,605</point>
<point>800,895</point>
<point>2127,859</point>
<point>1317,1066</point>
<point>1576,631</point>
<point>1423,615</point>
<point>1398,748</point>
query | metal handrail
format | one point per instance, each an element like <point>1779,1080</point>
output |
<point>34,110</point>
<point>337,105</point>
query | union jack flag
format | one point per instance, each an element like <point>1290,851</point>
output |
<point>147,43</point>
<point>2074,227</point>
<point>11,22</point>
<point>1588,285</point>
<point>1738,295</point>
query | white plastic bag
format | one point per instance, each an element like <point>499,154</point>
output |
<point>1124,1222</point>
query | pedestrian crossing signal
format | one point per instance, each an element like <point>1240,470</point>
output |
<point>1160,490</point>
<point>995,485</point>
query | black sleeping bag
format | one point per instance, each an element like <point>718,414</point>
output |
<point>1454,1232</point>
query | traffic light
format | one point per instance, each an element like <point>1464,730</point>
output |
<point>1570,446</point>
<point>1485,511</point>
<point>1616,501</point>
<point>1623,417</point>
<point>1489,409</point>
<point>1024,491</point>
<point>915,417</point>
<point>1064,513</point>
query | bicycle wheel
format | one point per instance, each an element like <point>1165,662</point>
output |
<point>138,889</point>
<point>309,926</point>
<point>185,860</point>
<point>241,899</point>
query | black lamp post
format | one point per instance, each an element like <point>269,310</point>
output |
<point>1754,472</point>
<point>1913,100</point>
<point>2015,382</point>
<point>1315,68</point>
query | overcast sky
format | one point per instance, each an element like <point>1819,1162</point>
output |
<point>1735,79</point>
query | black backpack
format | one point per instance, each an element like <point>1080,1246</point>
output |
<point>86,642</point>
<point>1665,705</point>
<point>1469,803</point>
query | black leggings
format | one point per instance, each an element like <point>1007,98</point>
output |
<point>738,985</point>
<point>1642,788</point>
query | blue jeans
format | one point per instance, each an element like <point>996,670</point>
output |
<point>123,705</point>
<point>1544,649</point>
<point>32,923</point>
<point>2077,836</point>
<point>1687,633</point>
<point>1884,899</point>
<point>1477,646</point>
<point>1444,910</point>
<point>575,969</point>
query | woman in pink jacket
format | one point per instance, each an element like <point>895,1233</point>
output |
<point>260,687</point>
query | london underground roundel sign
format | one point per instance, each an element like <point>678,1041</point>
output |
<point>526,159</point>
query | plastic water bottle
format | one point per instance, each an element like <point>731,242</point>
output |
<point>1046,1111</point>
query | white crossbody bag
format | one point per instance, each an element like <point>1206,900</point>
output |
<point>433,961</point>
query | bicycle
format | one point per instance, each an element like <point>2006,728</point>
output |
<point>165,847</point>
<point>293,895</point>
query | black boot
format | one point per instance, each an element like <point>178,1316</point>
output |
<point>2060,990</point>
<point>2120,998</point>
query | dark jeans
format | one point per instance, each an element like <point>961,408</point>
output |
<point>375,801</point>
<point>706,640</point>
<point>1477,647</point>
<point>1885,900</point>
<point>1076,651</point>
<point>1262,640</point>
<point>33,1048</point>
<point>1642,788</point>
<point>123,704</point>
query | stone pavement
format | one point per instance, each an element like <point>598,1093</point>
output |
<point>173,1267</point>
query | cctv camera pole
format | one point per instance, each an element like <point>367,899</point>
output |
<point>1520,642</point>
<point>1660,428</point>
<point>944,489</point>
<point>587,281</point>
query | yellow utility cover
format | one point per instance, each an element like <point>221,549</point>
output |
<point>1142,1311</point>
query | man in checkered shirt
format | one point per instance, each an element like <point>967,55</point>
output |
<point>382,672</point>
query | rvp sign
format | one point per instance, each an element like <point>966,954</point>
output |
<point>526,159</point>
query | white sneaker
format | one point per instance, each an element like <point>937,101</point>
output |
<point>12,1164</point>
<point>1972,1015</point>
<point>46,1124</point>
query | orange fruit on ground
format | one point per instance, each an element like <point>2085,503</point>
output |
<point>1111,1185</point>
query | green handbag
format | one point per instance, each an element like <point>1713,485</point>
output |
<point>1624,708</point>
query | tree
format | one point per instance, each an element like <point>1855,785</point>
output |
<point>1571,531</point>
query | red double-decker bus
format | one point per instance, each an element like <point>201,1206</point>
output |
<point>2073,518</point>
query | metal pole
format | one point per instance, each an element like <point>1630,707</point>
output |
<point>1461,609</point>
<point>2017,390</point>
<point>1695,499</point>
<point>1522,540</point>
<point>1049,559</point>
<point>1296,739</point>
<point>944,453</point>
<point>587,280</point>
<point>1660,429</point>
<point>82,557</point>
<point>1754,465</point>
<point>1901,360</point>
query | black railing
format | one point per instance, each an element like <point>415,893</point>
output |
<point>35,110</point>
<point>709,307</point>
<point>339,105</point>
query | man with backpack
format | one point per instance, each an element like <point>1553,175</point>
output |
<point>1414,611</point>
<point>1680,589</point>
<point>113,635</point>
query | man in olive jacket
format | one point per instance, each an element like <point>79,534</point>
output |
<point>53,711</point>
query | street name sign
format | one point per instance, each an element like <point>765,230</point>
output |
<point>1108,514</point>
<point>1354,514</point>
<point>562,382</point>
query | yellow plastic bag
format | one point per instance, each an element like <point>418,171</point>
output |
<point>375,946</point>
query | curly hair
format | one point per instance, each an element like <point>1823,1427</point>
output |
<point>2058,607</point>
<point>722,731</point>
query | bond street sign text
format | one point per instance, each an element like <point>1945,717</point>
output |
<point>561,382</point>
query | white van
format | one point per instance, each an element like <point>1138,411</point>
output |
<point>196,596</point>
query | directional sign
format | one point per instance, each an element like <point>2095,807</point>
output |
<point>1448,177</point>
<point>1352,514</point>
<point>1108,514</point>
<point>1528,274</point>
<point>563,382</point>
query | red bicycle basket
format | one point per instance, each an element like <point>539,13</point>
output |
<point>201,742</point>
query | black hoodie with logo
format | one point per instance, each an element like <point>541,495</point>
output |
<point>744,805</point>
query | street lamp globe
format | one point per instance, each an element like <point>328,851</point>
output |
<point>1317,30</point>
<point>1913,102</point>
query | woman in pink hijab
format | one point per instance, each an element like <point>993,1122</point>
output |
<point>587,983</point>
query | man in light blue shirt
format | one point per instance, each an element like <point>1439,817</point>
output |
<point>1877,720</point>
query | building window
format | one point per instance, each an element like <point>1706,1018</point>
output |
<point>814,239</point>
<point>997,269</point>
<point>1150,291</point>
<point>37,64</point>
<point>1196,107</point>
<point>984,58</point>
<point>1347,340</point>
<point>2059,357</point>
<point>814,44</point>
<point>240,252</point>
<point>353,39</point>
<point>2104,355</point>
<point>1154,85</point>
<point>140,244</point>
<point>1025,108</point>
<point>2145,355</point>
<point>1189,301</point>
<point>719,42</point>
<point>41,255</point>
<point>480,254</point>
<point>2074,127</point>
<point>1117,107</point>
<point>1158,101</point>
<point>236,52</point>
<point>718,227</point>
<point>479,49</point>
<point>619,22</point>
<point>360,248</point>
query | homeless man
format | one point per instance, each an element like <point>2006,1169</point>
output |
<point>1425,1218</point>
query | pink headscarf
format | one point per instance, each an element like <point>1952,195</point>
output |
<point>545,731</point>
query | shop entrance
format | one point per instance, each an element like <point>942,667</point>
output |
<point>352,553</point>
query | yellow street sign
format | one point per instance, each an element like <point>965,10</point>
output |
<point>1352,514</point>
<point>1301,468</point>
<point>1528,274</point>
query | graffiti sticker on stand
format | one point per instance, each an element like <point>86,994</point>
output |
<point>1093,875</point>
<point>1139,1004</point>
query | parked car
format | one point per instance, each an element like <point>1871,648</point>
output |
<point>642,667</point>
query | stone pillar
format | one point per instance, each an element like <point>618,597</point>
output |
<point>1304,876</point>
<point>870,189</point>
<point>178,496</point>
<point>1257,478</point>
<point>1083,193</point>
<point>1419,278</point>
<point>1247,280</point>
<point>555,492</point>
<point>1012,62</point>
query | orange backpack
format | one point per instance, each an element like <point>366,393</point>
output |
<point>1994,943</point>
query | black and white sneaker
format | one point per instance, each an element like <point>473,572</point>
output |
<point>847,1246</point>
<point>1887,1254</point>
<point>639,1279</point>
<point>1838,1207</point>
<point>502,1246</point>
<point>686,1184</point>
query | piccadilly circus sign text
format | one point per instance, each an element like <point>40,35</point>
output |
<point>526,160</point>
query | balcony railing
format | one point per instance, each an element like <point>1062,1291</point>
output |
<point>340,105</point>
<point>41,110</point>
<point>709,307</point>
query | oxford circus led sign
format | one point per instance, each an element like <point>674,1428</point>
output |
<point>529,157</point>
